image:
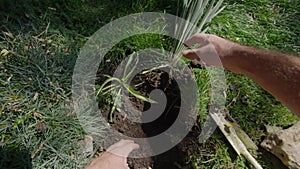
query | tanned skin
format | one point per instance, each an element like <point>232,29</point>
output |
<point>277,73</point>
<point>115,156</point>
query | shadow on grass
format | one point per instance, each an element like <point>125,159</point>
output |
<point>15,158</point>
<point>82,17</point>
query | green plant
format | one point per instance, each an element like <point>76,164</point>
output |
<point>120,84</point>
<point>198,14</point>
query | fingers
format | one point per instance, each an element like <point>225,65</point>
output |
<point>190,54</point>
<point>123,148</point>
<point>206,54</point>
<point>201,39</point>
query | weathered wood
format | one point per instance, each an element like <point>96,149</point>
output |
<point>285,144</point>
<point>229,128</point>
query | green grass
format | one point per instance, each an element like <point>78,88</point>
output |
<point>43,39</point>
<point>35,82</point>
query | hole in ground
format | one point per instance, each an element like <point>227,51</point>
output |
<point>175,158</point>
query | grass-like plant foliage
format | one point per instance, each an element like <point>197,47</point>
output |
<point>199,14</point>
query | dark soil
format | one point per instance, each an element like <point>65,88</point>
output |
<point>177,157</point>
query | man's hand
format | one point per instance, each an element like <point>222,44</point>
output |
<point>210,45</point>
<point>115,157</point>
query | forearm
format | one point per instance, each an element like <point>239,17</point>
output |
<point>277,73</point>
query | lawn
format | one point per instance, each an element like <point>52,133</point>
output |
<point>39,45</point>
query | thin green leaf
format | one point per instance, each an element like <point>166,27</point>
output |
<point>110,79</point>
<point>116,102</point>
<point>132,69</point>
<point>138,95</point>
